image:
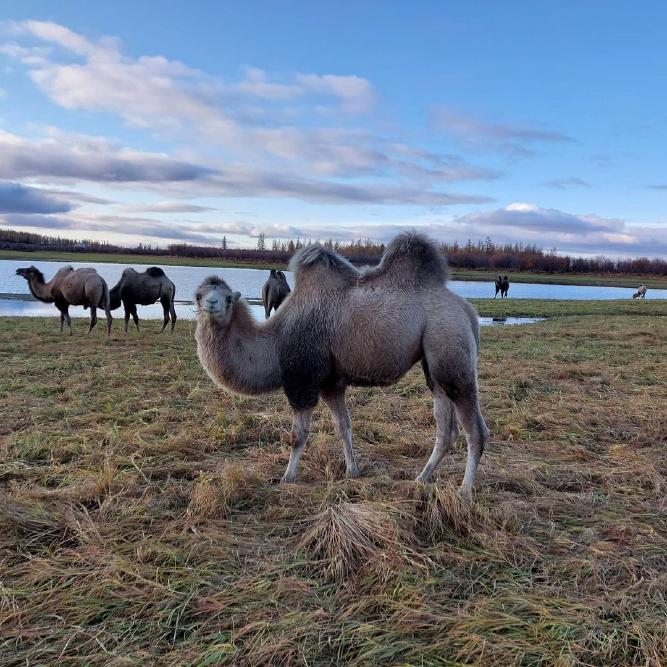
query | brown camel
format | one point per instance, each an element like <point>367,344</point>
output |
<point>143,289</point>
<point>275,291</point>
<point>640,293</point>
<point>502,286</point>
<point>70,287</point>
<point>341,327</point>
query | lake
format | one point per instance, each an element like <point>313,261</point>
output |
<point>249,282</point>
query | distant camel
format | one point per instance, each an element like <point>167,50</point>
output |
<point>502,286</point>
<point>275,291</point>
<point>144,289</point>
<point>640,293</point>
<point>70,287</point>
<point>342,326</point>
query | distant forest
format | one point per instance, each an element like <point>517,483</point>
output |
<point>482,255</point>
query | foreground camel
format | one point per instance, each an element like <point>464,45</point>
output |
<point>144,289</point>
<point>640,293</point>
<point>275,291</point>
<point>70,287</point>
<point>502,286</point>
<point>341,327</point>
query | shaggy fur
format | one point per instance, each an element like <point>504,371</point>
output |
<point>143,289</point>
<point>502,286</point>
<point>276,289</point>
<point>69,287</point>
<point>640,293</point>
<point>343,327</point>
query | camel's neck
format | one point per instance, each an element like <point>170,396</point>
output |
<point>242,357</point>
<point>40,290</point>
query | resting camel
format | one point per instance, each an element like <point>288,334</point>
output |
<point>70,287</point>
<point>275,291</point>
<point>143,289</point>
<point>502,286</point>
<point>640,293</point>
<point>341,327</point>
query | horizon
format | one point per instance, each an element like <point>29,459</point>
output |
<point>532,124</point>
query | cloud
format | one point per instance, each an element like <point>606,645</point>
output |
<point>661,186</point>
<point>81,158</point>
<point>243,117</point>
<point>568,183</point>
<point>514,140</point>
<point>17,198</point>
<point>167,207</point>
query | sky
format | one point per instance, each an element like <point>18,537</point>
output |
<point>169,122</point>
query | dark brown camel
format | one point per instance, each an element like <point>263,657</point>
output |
<point>70,287</point>
<point>275,291</point>
<point>144,289</point>
<point>502,286</point>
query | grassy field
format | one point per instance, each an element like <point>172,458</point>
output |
<point>138,525</point>
<point>620,280</point>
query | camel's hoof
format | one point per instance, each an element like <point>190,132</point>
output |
<point>422,479</point>
<point>352,474</point>
<point>465,494</point>
<point>286,480</point>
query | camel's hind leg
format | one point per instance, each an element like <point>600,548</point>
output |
<point>445,434</point>
<point>128,312</point>
<point>477,434</point>
<point>135,317</point>
<point>335,400</point>
<point>300,433</point>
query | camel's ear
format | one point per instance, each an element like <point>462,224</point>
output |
<point>237,296</point>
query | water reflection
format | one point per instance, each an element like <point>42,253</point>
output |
<point>184,311</point>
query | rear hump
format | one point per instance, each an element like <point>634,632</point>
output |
<point>155,271</point>
<point>411,259</point>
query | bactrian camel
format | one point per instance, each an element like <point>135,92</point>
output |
<point>341,327</point>
<point>502,286</point>
<point>70,287</point>
<point>640,293</point>
<point>144,289</point>
<point>275,291</point>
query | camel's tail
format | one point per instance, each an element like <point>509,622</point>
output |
<point>105,299</point>
<point>411,259</point>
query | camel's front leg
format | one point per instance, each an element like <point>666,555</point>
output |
<point>341,418</point>
<point>300,433</point>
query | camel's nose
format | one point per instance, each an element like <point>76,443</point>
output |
<point>211,303</point>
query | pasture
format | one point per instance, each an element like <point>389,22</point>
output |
<point>140,521</point>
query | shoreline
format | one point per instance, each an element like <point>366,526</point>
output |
<point>482,275</point>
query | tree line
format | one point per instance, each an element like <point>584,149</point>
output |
<point>483,254</point>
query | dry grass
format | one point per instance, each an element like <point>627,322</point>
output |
<point>138,524</point>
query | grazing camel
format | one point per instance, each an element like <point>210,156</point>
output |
<point>502,286</point>
<point>70,287</point>
<point>640,293</point>
<point>341,327</point>
<point>275,291</point>
<point>144,289</point>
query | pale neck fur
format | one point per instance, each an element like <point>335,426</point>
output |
<point>241,357</point>
<point>40,290</point>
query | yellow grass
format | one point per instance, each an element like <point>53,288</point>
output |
<point>140,521</point>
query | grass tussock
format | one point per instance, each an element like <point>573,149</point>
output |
<point>140,520</point>
<point>347,539</point>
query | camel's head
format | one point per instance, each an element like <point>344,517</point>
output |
<point>30,272</point>
<point>215,300</point>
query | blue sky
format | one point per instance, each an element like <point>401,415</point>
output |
<point>162,122</point>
